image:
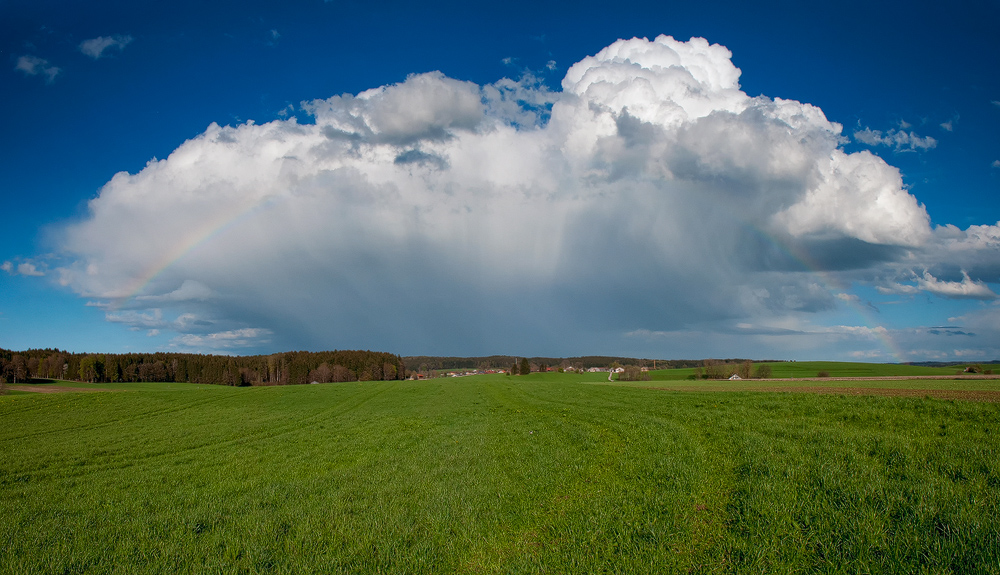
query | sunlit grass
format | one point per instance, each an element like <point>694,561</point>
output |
<point>788,369</point>
<point>498,475</point>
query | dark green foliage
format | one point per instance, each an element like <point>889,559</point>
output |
<point>295,367</point>
<point>525,366</point>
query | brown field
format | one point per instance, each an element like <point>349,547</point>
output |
<point>965,394</point>
<point>992,396</point>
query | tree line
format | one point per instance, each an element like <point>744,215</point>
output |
<point>724,369</point>
<point>295,367</point>
<point>425,363</point>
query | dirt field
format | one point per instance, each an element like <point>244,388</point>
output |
<point>964,394</point>
<point>968,395</point>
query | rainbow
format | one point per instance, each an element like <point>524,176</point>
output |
<point>199,236</point>
<point>831,285</point>
<point>215,227</point>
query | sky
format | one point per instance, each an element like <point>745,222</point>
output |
<point>770,180</point>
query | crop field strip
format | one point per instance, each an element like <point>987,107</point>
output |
<point>499,475</point>
<point>104,463</point>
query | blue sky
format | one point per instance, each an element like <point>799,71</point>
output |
<point>524,178</point>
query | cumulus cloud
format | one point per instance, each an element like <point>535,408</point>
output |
<point>650,193</point>
<point>225,340</point>
<point>29,269</point>
<point>98,47</point>
<point>901,140</point>
<point>965,289</point>
<point>897,288</point>
<point>24,268</point>
<point>35,66</point>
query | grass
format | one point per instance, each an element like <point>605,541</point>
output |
<point>789,369</point>
<point>491,474</point>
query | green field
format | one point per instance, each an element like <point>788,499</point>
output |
<point>492,474</point>
<point>787,369</point>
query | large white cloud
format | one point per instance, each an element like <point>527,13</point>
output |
<point>436,215</point>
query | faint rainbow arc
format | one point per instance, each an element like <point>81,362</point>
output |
<point>204,233</point>
<point>829,284</point>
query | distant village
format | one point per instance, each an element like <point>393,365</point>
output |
<point>548,369</point>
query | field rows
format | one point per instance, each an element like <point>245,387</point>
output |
<point>495,474</point>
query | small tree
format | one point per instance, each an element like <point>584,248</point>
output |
<point>19,368</point>
<point>88,369</point>
<point>763,371</point>
<point>633,373</point>
<point>715,369</point>
<point>340,373</point>
<point>525,366</point>
<point>745,370</point>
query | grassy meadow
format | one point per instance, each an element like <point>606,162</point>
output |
<point>790,369</point>
<point>493,474</point>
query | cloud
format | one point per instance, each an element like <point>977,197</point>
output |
<point>225,340</point>
<point>97,47</point>
<point>29,269</point>
<point>189,290</point>
<point>995,164</point>
<point>965,289</point>
<point>35,66</point>
<point>901,140</point>
<point>152,319</point>
<point>948,126</point>
<point>953,252</point>
<point>650,193</point>
<point>25,268</point>
<point>427,107</point>
<point>896,288</point>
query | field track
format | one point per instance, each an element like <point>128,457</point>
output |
<point>963,394</point>
<point>992,396</point>
<point>886,378</point>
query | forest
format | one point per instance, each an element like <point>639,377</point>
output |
<point>296,367</point>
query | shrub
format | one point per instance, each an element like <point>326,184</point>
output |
<point>633,373</point>
<point>823,374</point>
